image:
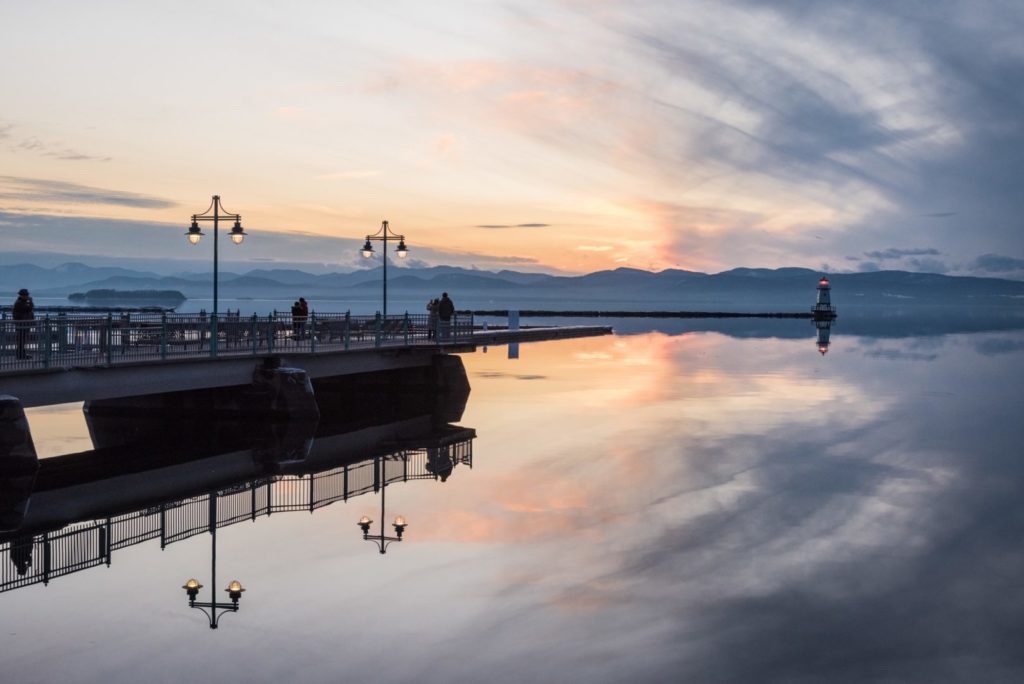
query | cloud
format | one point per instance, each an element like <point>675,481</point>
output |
<point>349,175</point>
<point>47,149</point>
<point>512,225</point>
<point>896,253</point>
<point>38,190</point>
<point>101,239</point>
<point>995,263</point>
<point>595,248</point>
<point>928,265</point>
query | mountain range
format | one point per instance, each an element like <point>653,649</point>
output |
<point>739,289</point>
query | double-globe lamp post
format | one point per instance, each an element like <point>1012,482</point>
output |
<point>383,235</point>
<point>215,213</point>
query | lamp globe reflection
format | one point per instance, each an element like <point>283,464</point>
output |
<point>213,609</point>
<point>380,539</point>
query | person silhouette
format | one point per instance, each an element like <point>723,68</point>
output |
<point>445,311</point>
<point>24,316</point>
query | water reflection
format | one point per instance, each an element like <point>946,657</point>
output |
<point>157,476</point>
<point>824,330</point>
<point>654,507</point>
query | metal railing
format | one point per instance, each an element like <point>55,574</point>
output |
<point>34,559</point>
<point>88,340</point>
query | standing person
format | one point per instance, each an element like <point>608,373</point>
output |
<point>296,320</point>
<point>304,305</point>
<point>432,319</point>
<point>23,315</point>
<point>445,310</point>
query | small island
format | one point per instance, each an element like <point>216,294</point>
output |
<point>164,297</point>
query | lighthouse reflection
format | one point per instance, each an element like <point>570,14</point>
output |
<point>824,329</point>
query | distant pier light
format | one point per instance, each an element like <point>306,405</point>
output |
<point>823,309</point>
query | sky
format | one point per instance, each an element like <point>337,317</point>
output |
<point>557,136</point>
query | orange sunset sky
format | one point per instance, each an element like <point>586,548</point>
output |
<point>554,136</point>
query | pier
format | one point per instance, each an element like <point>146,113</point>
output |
<point>89,357</point>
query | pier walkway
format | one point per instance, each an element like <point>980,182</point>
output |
<point>73,357</point>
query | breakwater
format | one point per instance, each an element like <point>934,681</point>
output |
<point>538,313</point>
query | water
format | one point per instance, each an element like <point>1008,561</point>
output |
<point>651,507</point>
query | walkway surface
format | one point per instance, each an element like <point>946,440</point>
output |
<point>68,342</point>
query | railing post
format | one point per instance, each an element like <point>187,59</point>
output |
<point>348,327</point>
<point>312,332</point>
<point>108,539</point>
<point>45,339</point>
<point>109,335</point>
<point>405,328</point>
<point>46,557</point>
<point>271,331</point>
<point>376,333</point>
<point>163,335</point>
<point>62,332</point>
<point>213,335</point>
<point>252,335</point>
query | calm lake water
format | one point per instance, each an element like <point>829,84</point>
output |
<point>690,505</point>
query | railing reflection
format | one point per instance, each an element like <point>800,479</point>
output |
<point>33,559</point>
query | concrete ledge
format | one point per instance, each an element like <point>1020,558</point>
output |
<point>46,386</point>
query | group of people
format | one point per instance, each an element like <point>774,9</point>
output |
<point>439,317</point>
<point>300,314</point>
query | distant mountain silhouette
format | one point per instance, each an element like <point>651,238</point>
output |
<point>739,289</point>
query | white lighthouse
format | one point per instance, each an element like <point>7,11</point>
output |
<point>823,308</point>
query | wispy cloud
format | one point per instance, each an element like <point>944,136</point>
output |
<point>349,175</point>
<point>36,145</point>
<point>497,226</point>
<point>39,190</point>
<point>897,253</point>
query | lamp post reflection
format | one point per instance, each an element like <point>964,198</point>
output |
<point>213,609</point>
<point>380,539</point>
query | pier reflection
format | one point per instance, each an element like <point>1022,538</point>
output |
<point>168,483</point>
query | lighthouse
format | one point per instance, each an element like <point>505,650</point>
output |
<point>823,309</point>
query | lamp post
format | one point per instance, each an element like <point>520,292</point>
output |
<point>380,539</point>
<point>383,234</point>
<point>213,609</point>
<point>215,213</point>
